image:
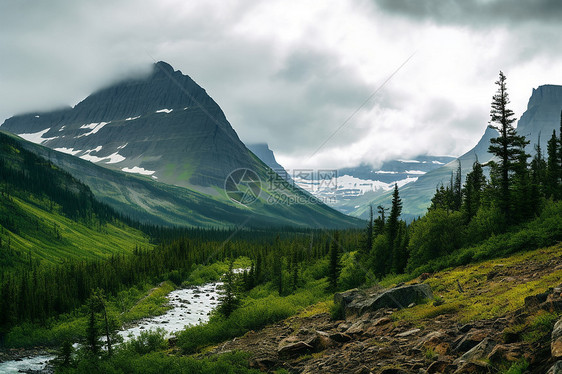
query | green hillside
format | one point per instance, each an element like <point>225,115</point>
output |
<point>47,215</point>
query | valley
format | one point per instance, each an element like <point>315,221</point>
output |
<point>140,234</point>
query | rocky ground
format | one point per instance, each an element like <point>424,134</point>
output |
<point>486,318</point>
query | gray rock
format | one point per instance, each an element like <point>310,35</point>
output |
<point>407,333</point>
<point>479,352</point>
<point>556,340</point>
<point>347,297</point>
<point>398,297</point>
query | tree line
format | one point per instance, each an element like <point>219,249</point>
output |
<point>460,214</point>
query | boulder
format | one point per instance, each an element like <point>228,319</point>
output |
<point>477,353</point>
<point>294,346</point>
<point>345,298</point>
<point>397,297</point>
<point>556,340</point>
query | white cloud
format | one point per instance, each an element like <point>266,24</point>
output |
<point>290,73</point>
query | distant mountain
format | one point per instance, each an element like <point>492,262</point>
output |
<point>541,118</point>
<point>348,189</point>
<point>268,157</point>
<point>178,149</point>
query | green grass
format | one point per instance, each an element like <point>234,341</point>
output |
<point>157,362</point>
<point>482,298</point>
<point>49,236</point>
<point>259,308</point>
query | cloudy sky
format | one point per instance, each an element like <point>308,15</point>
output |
<point>297,74</point>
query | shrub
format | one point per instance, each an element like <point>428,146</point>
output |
<point>147,341</point>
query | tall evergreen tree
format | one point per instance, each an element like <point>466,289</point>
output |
<point>368,240</point>
<point>538,170</point>
<point>334,266</point>
<point>457,188</point>
<point>525,204</point>
<point>380,221</point>
<point>552,167</point>
<point>507,147</point>
<point>473,187</point>
<point>395,211</point>
<point>92,337</point>
<point>229,300</point>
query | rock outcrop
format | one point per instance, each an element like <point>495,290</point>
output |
<point>357,303</point>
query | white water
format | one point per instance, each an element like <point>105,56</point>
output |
<point>189,306</point>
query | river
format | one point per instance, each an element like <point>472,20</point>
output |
<point>189,306</point>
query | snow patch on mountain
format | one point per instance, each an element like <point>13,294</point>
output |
<point>418,172</point>
<point>37,137</point>
<point>115,158</point>
<point>69,151</point>
<point>138,170</point>
<point>95,127</point>
<point>111,159</point>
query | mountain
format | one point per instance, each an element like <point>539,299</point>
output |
<point>159,149</point>
<point>266,155</point>
<point>543,115</point>
<point>163,125</point>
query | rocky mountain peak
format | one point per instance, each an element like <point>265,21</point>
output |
<point>548,94</point>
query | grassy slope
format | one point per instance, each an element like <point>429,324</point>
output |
<point>37,234</point>
<point>518,276</point>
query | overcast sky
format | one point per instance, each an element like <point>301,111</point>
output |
<point>290,73</point>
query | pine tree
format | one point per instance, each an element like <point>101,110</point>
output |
<point>457,189</point>
<point>229,300</point>
<point>507,147</point>
<point>538,170</point>
<point>524,203</point>
<point>379,222</point>
<point>474,185</point>
<point>368,239</point>
<point>278,273</point>
<point>92,338</point>
<point>334,266</point>
<point>294,270</point>
<point>552,167</point>
<point>395,211</point>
